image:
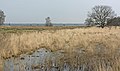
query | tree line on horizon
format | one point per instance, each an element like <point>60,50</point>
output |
<point>101,15</point>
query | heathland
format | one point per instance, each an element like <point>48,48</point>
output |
<point>95,47</point>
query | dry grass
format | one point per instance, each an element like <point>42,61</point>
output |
<point>91,46</point>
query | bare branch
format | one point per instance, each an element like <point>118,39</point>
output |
<point>100,14</point>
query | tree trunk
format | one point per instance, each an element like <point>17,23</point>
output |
<point>102,25</point>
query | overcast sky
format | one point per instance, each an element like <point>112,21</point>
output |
<point>64,11</point>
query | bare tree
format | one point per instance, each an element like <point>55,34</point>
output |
<point>48,21</point>
<point>2,17</point>
<point>100,14</point>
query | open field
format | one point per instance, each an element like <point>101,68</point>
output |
<point>93,46</point>
<point>18,29</point>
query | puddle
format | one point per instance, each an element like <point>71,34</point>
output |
<point>41,60</point>
<point>45,60</point>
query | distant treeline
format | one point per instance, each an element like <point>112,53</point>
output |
<point>60,24</point>
<point>114,22</point>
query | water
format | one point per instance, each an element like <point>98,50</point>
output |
<point>36,24</point>
<point>46,60</point>
<point>40,60</point>
<point>34,62</point>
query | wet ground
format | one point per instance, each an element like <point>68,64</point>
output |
<point>41,60</point>
<point>46,60</point>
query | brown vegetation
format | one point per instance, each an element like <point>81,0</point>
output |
<point>94,47</point>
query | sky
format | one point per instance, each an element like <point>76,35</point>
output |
<point>60,11</point>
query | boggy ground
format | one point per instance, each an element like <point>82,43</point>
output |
<point>94,47</point>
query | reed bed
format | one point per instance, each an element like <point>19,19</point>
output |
<point>96,49</point>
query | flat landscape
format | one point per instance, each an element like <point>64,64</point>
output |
<point>96,48</point>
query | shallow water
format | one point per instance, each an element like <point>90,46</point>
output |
<point>34,62</point>
<point>45,60</point>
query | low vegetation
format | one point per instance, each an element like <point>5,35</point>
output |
<point>96,48</point>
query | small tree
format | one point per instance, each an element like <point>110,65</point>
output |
<point>100,14</point>
<point>48,21</point>
<point>2,17</point>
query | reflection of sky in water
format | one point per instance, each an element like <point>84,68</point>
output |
<point>25,62</point>
<point>45,60</point>
<point>33,62</point>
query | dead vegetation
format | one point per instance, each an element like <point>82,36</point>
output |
<point>98,49</point>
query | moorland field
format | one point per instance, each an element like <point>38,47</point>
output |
<point>95,47</point>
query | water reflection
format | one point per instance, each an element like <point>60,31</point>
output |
<point>41,60</point>
<point>45,60</point>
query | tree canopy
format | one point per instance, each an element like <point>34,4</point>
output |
<point>100,14</point>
